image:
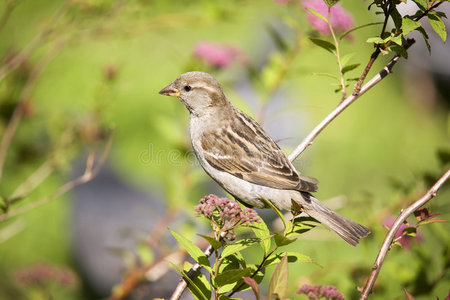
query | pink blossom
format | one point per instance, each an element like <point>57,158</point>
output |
<point>225,212</point>
<point>44,273</point>
<point>318,291</point>
<point>340,19</point>
<point>404,240</point>
<point>216,55</point>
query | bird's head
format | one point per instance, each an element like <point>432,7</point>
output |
<point>199,92</point>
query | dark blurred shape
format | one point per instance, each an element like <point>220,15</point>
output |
<point>109,218</point>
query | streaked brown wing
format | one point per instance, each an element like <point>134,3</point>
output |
<point>244,150</point>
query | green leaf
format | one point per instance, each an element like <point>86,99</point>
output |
<point>301,225</point>
<point>277,38</point>
<point>231,262</point>
<point>399,50</point>
<point>422,4</point>
<point>397,18</point>
<point>346,58</point>
<point>358,27</point>
<point>397,40</point>
<point>279,280</point>
<point>254,285</point>
<point>278,212</point>
<point>410,231</point>
<point>375,40</point>
<point>409,25</point>
<point>326,75</point>
<point>425,38</point>
<point>349,68</point>
<point>239,258</point>
<point>231,276</point>
<point>330,3</point>
<point>193,250</point>
<point>314,12</point>
<point>281,240</point>
<point>203,284</point>
<point>238,246</point>
<point>262,231</point>
<point>293,257</point>
<point>324,44</point>
<point>215,243</point>
<point>437,24</point>
<point>195,290</point>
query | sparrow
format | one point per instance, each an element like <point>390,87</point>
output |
<point>242,158</point>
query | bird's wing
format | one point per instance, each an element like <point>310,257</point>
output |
<point>243,149</point>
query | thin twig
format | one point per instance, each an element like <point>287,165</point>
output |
<point>392,232</point>
<point>338,57</point>
<point>43,171</point>
<point>41,37</point>
<point>91,170</point>
<point>18,111</point>
<point>33,181</point>
<point>374,56</point>
<point>307,141</point>
<point>377,51</point>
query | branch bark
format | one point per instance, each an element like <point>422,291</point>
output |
<point>391,234</point>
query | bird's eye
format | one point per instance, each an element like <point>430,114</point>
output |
<point>187,88</point>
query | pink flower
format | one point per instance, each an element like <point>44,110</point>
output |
<point>318,291</point>
<point>44,273</point>
<point>225,212</point>
<point>404,240</point>
<point>341,20</point>
<point>216,55</point>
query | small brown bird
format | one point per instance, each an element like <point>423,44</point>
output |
<point>241,157</point>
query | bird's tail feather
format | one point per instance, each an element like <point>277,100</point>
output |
<point>347,229</point>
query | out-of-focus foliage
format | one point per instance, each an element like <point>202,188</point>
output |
<point>89,65</point>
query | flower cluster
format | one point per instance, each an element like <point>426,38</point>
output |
<point>225,213</point>
<point>340,19</point>
<point>319,291</point>
<point>215,55</point>
<point>41,274</point>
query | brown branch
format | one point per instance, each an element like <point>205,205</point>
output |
<point>91,170</point>
<point>374,56</point>
<point>307,141</point>
<point>391,234</point>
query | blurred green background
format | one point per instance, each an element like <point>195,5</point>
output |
<point>100,64</point>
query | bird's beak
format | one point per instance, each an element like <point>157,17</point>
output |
<point>170,91</point>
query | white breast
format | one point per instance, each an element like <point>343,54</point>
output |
<point>245,191</point>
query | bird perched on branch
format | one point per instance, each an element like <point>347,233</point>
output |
<point>242,158</point>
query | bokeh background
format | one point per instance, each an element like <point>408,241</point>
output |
<point>89,69</point>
